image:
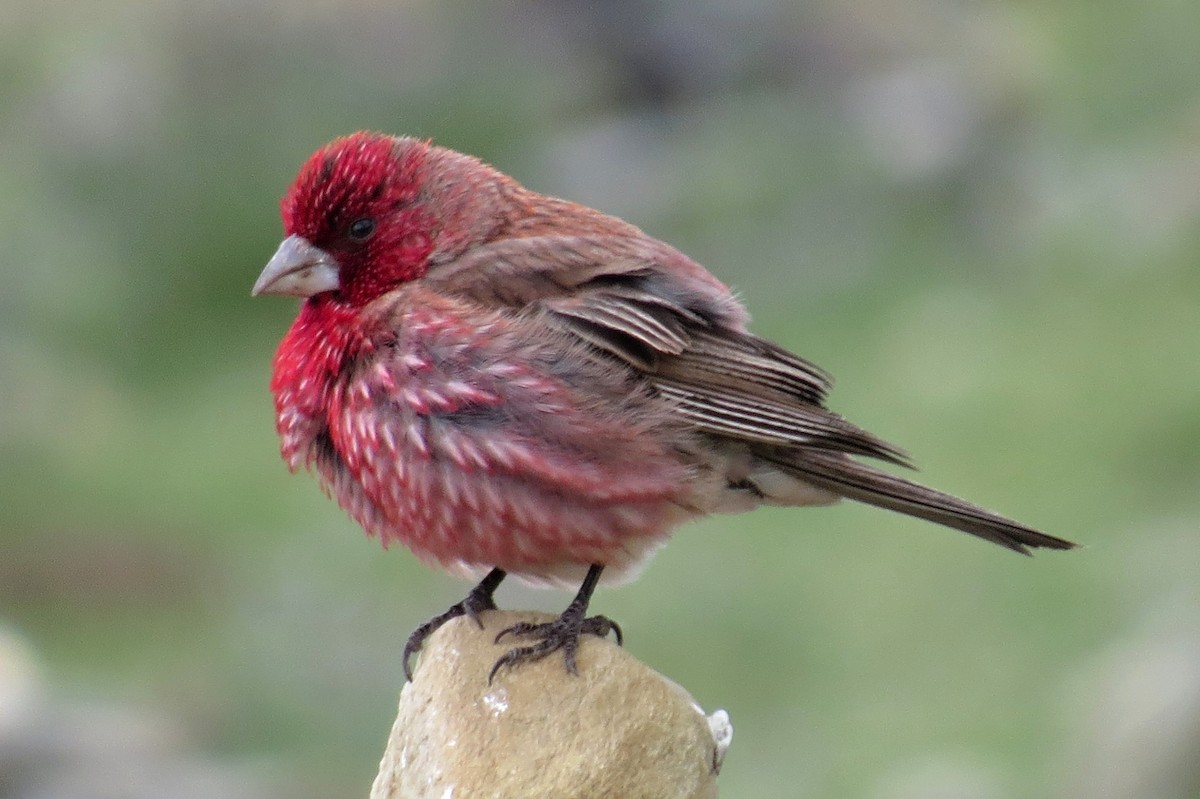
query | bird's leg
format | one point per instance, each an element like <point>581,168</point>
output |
<point>562,633</point>
<point>479,600</point>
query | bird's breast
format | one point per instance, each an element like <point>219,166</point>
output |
<point>467,444</point>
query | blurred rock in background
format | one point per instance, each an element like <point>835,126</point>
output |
<point>54,749</point>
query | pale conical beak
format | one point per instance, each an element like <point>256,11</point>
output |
<point>299,269</point>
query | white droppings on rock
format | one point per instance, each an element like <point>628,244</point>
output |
<point>722,733</point>
<point>497,701</point>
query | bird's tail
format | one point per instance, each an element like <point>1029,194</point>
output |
<point>842,475</point>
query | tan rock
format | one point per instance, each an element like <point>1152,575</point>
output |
<point>618,729</point>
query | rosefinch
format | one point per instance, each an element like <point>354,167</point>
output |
<point>511,383</point>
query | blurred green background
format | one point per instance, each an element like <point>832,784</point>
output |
<point>981,217</point>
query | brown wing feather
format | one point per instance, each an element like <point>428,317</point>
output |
<point>748,365</point>
<point>765,421</point>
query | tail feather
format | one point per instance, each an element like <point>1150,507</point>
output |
<point>852,479</point>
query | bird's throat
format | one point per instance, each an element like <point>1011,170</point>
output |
<point>311,359</point>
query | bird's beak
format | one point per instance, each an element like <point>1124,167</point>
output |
<point>299,269</point>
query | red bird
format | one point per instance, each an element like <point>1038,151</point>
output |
<point>506,382</point>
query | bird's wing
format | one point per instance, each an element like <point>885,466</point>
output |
<point>652,308</point>
<point>724,381</point>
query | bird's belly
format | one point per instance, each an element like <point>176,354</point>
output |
<point>468,521</point>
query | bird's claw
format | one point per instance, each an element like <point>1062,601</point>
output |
<point>562,633</point>
<point>474,604</point>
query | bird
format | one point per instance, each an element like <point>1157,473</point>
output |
<point>508,383</point>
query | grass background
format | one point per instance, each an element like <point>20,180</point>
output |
<point>982,218</point>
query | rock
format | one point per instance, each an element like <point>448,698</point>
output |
<point>617,729</point>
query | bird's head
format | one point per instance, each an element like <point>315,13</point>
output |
<point>368,212</point>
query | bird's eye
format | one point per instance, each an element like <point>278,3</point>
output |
<point>361,229</point>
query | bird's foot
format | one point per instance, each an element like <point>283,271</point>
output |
<point>479,600</point>
<point>562,633</point>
